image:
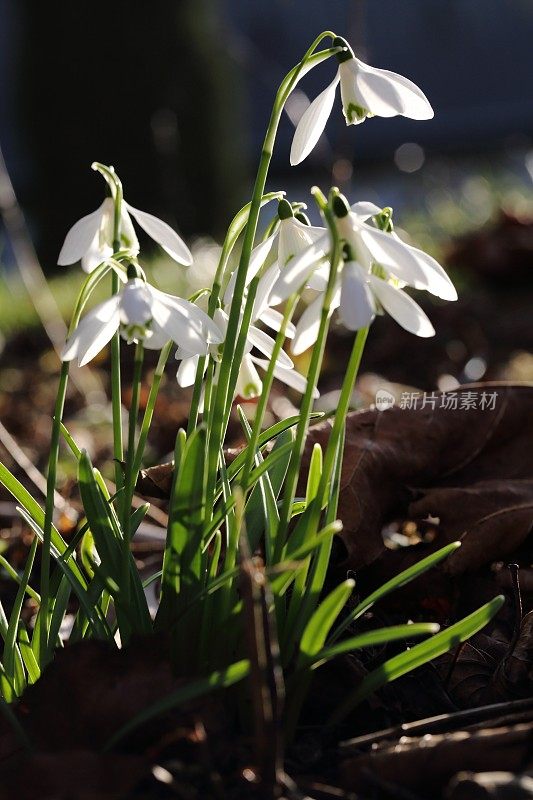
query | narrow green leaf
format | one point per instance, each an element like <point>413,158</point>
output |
<point>319,625</point>
<point>60,604</point>
<point>75,577</point>
<point>221,679</point>
<point>265,437</point>
<point>70,441</point>
<point>12,658</point>
<point>262,515</point>
<point>281,582</point>
<point>16,577</point>
<point>419,654</point>
<point>373,639</point>
<point>229,503</point>
<point>314,474</point>
<point>28,656</point>
<point>182,559</point>
<point>130,601</point>
<point>397,582</point>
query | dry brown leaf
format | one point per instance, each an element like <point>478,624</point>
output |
<point>427,764</point>
<point>470,468</point>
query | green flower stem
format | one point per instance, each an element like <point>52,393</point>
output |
<point>149,412</point>
<point>49,512</point>
<point>240,347</point>
<point>116,390</point>
<point>115,186</point>
<point>317,355</point>
<point>196,395</point>
<point>223,395</point>
<point>315,580</point>
<point>265,392</point>
<point>132,426</point>
<point>343,408</point>
<point>232,235</point>
<point>87,288</point>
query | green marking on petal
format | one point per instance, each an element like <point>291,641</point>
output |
<point>135,332</point>
<point>355,113</point>
<point>250,390</point>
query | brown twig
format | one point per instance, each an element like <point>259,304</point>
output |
<point>266,678</point>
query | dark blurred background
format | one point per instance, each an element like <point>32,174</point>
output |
<point>176,94</point>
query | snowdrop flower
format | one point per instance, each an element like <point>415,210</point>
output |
<point>376,268</point>
<point>370,246</point>
<point>292,236</point>
<point>91,238</point>
<point>248,382</point>
<point>365,92</point>
<point>145,314</point>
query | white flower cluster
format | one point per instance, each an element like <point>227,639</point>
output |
<point>375,268</point>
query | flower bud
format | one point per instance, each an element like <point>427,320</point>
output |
<point>347,252</point>
<point>285,209</point>
<point>347,53</point>
<point>384,220</point>
<point>341,207</point>
<point>134,271</point>
<point>303,218</point>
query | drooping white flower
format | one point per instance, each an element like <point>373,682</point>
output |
<point>142,313</point>
<point>91,238</point>
<point>369,281</point>
<point>248,382</point>
<point>371,246</point>
<point>291,237</point>
<point>365,92</point>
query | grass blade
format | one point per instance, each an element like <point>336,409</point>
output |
<point>397,582</point>
<point>374,638</point>
<point>419,654</point>
<point>321,621</point>
<point>221,679</point>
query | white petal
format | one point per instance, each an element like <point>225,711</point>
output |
<point>265,344</point>
<point>273,319</point>
<point>186,373</point>
<point>164,235</point>
<point>128,237</point>
<point>315,232</point>
<point>264,288</point>
<point>183,322</point>
<point>312,123</point>
<point>386,93</point>
<point>402,308</point>
<point>407,263</point>
<point>354,107</point>
<point>96,253</point>
<point>136,303</point>
<point>356,302</point>
<point>437,281</point>
<point>157,339</point>
<point>365,209</point>
<point>294,238</point>
<point>210,330</point>
<point>93,332</point>
<point>288,376</point>
<point>248,381</point>
<point>308,325</point>
<point>257,259</point>
<point>80,237</point>
<point>298,270</point>
<point>319,279</point>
